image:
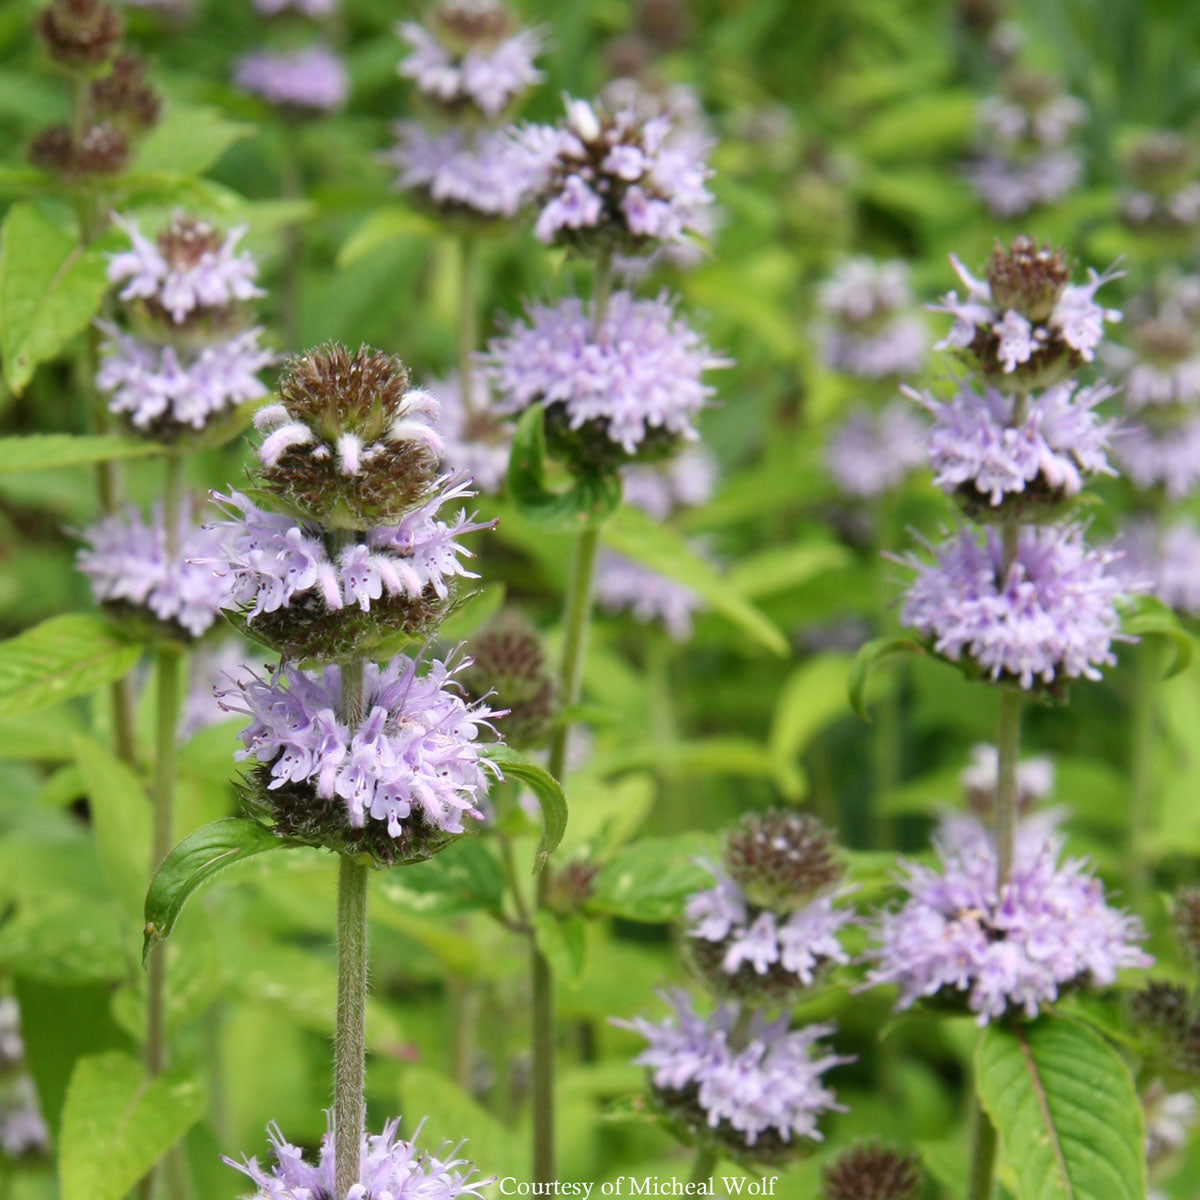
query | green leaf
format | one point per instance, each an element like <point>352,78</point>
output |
<point>1064,1105</point>
<point>50,288</point>
<point>58,659</point>
<point>187,141</point>
<point>117,1124</point>
<point>121,818</point>
<point>588,500</point>
<point>382,226</point>
<point>781,568</point>
<point>563,940</point>
<point>704,758</point>
<point>549,795</point>
<point>45,451</point>
<point>636,535</point>
<point>650,880</point>
<point>196,860</point>
<point>814,694</point>
<point>868,658</point>
<point>1149,617</point>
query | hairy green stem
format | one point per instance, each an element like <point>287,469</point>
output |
<point>1144,717</point>
<point>291,187</point>
<point>1008,742</point>
<point>704,1165</point>
<point>349,1044</point>
<point>468,319</point>
<point>983,1157</point>
<point>601,290</point>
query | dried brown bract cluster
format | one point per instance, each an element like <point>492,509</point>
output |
<point>873,1173</point>
<point>781,859</point>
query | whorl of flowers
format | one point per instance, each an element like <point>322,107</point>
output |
<point>614,181</point>
<point>623,585</point>
<point>1166,456</point>
<point>210,668</point>
<point>628,389</point>
<point>996,451</point>
<point>164,391</point>
<point>1164,191</point>
<point>1049,619</point>
<point>1032,112</point>
<point>132,572</point>
<point>753,1087</point>
<point>470,57</point>
<point>474,440</point>
<point>391,1167</point>
<point>303,597</point>
<point>684,481</point>
<point>870,453</point>
<point>22,1130</point>
<point>462,171</point>
<point>1165,562</point>
<point>191,270</point>
<point>1009,189</point>
<point>1162,367</point>
<point>306,8</point>
<point>866,330</point>
<point>1024,321</point>
<point>311,79</point>
<point>80,35</point>
<point>397,785</point>
<point>958,937</point>
<point>189,362</point>
<point>349,443</point>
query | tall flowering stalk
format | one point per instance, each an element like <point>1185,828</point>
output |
<point>1024,603</point>
<point>617,380</point>
<point>375,761</point>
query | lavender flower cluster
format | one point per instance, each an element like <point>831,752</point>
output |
<point>870,453</point>
<point>411,760</point>
<point>1005,948</point>
<point>617,179</point>
<point>635,378</point>
<point>310,79</point>
<point>1027,161</point>
<point>22,1129</point>
<point>1163,192</point>
<point>472,66</point>
<point>390,1166</point>
<point>761,1091</point>
<point>129,565</point>
<point>192,361</point>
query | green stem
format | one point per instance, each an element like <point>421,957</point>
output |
<point>468,319</point>
<point>1144,716</point>
<point>983,1157</point>
<point>578,613</point>
<point>349,1046</point>
<point>1008,741</point>
<point>601,290</point>
<point>704,1165</point>
<point>291,187</point>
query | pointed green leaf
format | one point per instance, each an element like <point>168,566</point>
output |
<point>589,499</point>
<point>117,1124</point>
<point>58,659</point>
<point>50,288</point>
<point>650,880</point>
<point>187,141</point>
<point>1149,617</point>
<point>46,451</point>
<point>197,859</point>
<point>636,535</point>
<point>549,795</point>
<point>1064,1105</point>
<point>868,658</point>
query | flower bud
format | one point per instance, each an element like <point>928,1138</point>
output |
<point>782,859</point>
<point>872,1173</point>
<point>80,35</point>
<point>1027,278</point>
<point>123,95</point>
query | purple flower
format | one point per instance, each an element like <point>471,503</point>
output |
<point>1048,124</point>
<point>475,442</point>
<point>1009,188</point>
<point>898,347</point>
<point>191,267</point>
<point>211,669</point>
<point>412,758</point>
<point>1072,319</point>
<point>1168,458</point>
<point>312,78</point>
<point>391,1167</point>
<point>871,453</point>
<point>795,943</point>
<point>1002,950</point>
<point>640,373</point>
<point>1052,617</point>
<point>684,481</point>
<point>307,8</point>
<point>477,171</point>
<point>1058,440</point>
<point>273,561</point>
<point>747,1080</point>
<point>164,389</point>
<point>22,1130</point>
<point>1162,369</point>
<point>487,74</point>
<point>617,175</point>
<point>624,585</point>
<point>1035,776</point>
<point>127,563</point>
<point>1164,562</point>
<point>862,290</point>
